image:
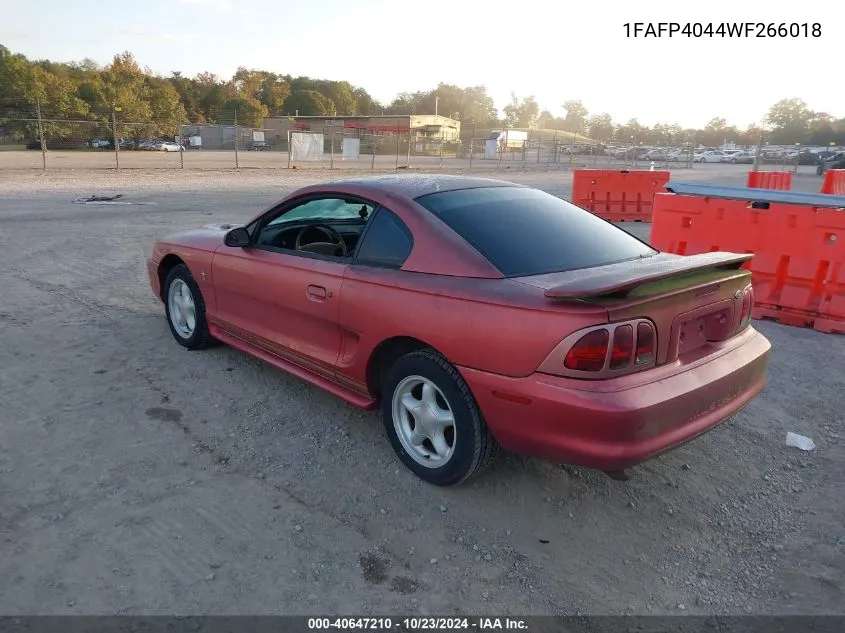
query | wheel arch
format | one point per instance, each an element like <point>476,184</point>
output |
<point>388,352</point>
<point>167,263</point>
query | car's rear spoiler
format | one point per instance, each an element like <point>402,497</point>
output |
<point>625,276</point>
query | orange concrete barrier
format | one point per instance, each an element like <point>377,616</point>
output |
<point>798,268</point>
<point>834,182</point>
<point>781,180</point>
<point>619,196</point>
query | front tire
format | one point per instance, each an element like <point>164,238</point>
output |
<point>185,309</point>
<point>433,421</point>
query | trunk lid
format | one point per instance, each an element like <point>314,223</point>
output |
<point>694,301</point>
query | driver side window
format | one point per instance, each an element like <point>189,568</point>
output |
<point>327,225</point>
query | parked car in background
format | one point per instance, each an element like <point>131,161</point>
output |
<point>679,155</point>
<point>713,156</point>
<point>147,145</point>
<point>656,154</point>
<point>101,143</point>
<point>728,154</point>
<point>808,158</point>
<point>57,144</point>
<point>837,161</point>
<point>258,146</point>
<point>824,155</point>
<point>745,156</point>
<point>168,146</point>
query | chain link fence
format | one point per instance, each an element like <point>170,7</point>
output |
<point>41,136</point>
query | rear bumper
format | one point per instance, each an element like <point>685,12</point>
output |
<point>614,424</point>
<point>155,282</point>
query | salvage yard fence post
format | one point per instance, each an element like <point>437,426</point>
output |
<point>41,135</point>
<point>442,137</point>
<point>472,145</point>
<point>114,111</point>
<point>237,165</point>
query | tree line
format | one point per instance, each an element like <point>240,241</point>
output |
<point>86,91</point>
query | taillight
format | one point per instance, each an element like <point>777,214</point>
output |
<point>604,351</point>
<point>645,344</point>
<point>747,304</point>
<point>623,347</point>
<point>613,349</point>
<point>589,353</point>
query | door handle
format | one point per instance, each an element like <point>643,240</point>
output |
<point>316,293</point>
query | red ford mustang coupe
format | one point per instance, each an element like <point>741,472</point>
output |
<point>478,315</point>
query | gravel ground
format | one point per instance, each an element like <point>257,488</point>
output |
<point>137,477</point>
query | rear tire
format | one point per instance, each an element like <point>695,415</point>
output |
<point>433,421</point>
<point>185,309</point>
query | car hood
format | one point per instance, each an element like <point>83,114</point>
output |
<point>208,237</point>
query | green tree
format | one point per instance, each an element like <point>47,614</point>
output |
<point>599,127</point>
<point>631,132</point>
<point>212,94</point>
<point>822,129</point>
<point>790,120</point>
<point>576,117</point>
<point>469,105</point>
<point>341,94</point>
<point>309,103</point>
<point>247,111</point>
<point>545,120</point>
<point>717,131</point>
<point>189,96</point>
<point>365,104</point>
<point>521,113</point>
<point>273,92</point>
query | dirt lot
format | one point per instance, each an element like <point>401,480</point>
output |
<point>137,477</point>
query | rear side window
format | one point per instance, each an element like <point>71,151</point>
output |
<point>386,242</point>
<point>524,231</point>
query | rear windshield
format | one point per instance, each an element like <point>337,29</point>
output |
<point>524,231</point>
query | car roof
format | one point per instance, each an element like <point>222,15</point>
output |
<point>417,185</point>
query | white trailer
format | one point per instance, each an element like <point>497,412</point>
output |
<point>513,140</point>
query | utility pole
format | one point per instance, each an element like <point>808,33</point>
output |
<point>757,151</point>
<point>472,144</point>
<point>114,111</point>
<point>41,135</point>
<point>237,166</point>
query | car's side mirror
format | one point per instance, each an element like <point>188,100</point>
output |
<point>237,238</point>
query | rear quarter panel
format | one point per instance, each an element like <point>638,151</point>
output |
<point>494,325</point>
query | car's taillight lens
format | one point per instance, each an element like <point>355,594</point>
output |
<point>623,347</point>
<point>747,304</point>
<point>645,344</point>
<point>589,353</point>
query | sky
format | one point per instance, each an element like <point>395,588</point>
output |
<point>555,50</point>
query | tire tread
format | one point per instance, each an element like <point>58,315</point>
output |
<point>202,338</point>
<point>487,450</point>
